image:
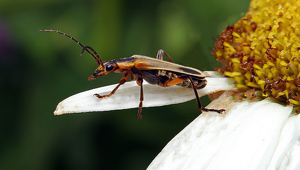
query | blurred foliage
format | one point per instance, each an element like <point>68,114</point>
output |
<point>39,69</point>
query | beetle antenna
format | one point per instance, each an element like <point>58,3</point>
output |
<point>85,48</point>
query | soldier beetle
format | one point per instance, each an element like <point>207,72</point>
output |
<point>153,70</point>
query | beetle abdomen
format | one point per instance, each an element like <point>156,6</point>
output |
<point>199,83</point>
<point>162,77</point>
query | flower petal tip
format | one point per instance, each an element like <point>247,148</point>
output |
<point>59,110</point>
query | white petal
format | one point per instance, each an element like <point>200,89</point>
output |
<point>128,96</point>
<point>287,154</point>
<point>245,137</point>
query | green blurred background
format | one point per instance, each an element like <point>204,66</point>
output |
<point>39,69</point>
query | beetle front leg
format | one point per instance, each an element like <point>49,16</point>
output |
<point>140,82</point>
<point>198,100</point>
<point>160,56</point>
<point>122,81</point>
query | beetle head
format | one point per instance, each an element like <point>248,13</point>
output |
<point>103,70</point>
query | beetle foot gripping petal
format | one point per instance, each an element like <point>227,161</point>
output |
<point>221,111</point>
<point>99,96</point>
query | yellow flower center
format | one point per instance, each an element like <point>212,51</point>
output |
<point>262,50</point>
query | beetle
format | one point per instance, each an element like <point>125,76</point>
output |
<point>153,70</point>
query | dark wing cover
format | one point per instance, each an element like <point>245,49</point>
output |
<point>148,63</point>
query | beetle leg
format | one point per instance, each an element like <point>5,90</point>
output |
<point>198,100</point>
<point>140,83</point>
<point>160,54</point>
<point>122,81</point>
<point>132,77</point>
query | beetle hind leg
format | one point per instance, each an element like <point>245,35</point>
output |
<point>220,111</point>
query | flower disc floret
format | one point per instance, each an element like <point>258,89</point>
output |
<point>262,50</point>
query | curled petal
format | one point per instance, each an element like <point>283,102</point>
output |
<point>287,153</point>
<point>128,96</point>
<point>245,137</point>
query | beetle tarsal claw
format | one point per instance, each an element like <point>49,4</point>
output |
<point>99,96</point>
<point>139,115</point>
<point>221,111</point>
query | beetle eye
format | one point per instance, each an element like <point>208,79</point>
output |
<point>109,67</point>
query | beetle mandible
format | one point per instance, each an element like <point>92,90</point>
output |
<point>153,70</point>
